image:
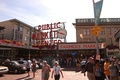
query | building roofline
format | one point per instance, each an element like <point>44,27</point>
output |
<point>91,22</point>
<point>16,20</point>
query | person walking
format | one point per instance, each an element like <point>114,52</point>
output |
<point>98,71</point>
<point>78,65</point>
<point>28,66</point>
<point>113,71</point>
<point>89,68</point>
<point>106,70</point>
<point>56,71</point>
<point>83,62</point>
<point>45,71</point>
<point>34,69</point>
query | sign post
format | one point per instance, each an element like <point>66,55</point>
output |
<point>96,29</point>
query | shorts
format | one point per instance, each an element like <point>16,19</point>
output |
<point>28,69</point>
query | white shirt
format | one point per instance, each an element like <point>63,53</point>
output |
<point>56,70</point>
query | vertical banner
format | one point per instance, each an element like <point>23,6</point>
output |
<point>97,10</point>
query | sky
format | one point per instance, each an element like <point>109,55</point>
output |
<point>38,12</point>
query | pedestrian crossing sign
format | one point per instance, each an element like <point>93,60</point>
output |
<point>96,30</point>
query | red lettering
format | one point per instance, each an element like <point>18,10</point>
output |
<point>39,35</point>
<point>89,46</point>
<point>55,25</point>
<point>46,42</point>
<point>59,41</point>
<point>55,42</point>
<point>58,25</point>
<point>55,34</point>
<point>39,27</point>
<point>51,35</point>
<point>45,34</point>
<point>48,27</point>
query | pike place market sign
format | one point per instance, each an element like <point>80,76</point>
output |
<point>49,34</point>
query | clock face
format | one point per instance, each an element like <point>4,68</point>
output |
<point>62,33</point>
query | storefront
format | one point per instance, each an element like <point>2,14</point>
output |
<point>80,49</point>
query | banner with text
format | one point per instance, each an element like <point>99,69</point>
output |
<point>97,10</point>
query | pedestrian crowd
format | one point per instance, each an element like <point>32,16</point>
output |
<point>103,69</point>
<point>46,69</point>
<point>107,69</point>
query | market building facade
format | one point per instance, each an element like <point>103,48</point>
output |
<point>109,27</point>
<point>19,39</point>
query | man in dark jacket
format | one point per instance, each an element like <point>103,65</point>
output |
<point>89,69</point>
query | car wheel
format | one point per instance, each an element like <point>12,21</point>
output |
<point>15,71</point>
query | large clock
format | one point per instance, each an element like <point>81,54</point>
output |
<point>62,33</point>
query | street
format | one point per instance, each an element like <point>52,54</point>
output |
<point>69,74</point>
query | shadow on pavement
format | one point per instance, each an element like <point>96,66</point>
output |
<point>69,69</point>
<point>25,78</point>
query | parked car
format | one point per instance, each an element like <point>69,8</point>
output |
<point>15,67</point>
<point>24,63</point>
<point>3,69</point>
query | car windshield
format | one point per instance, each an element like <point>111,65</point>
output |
<point>22,62</point>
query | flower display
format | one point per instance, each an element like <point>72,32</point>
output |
<point>7,41</point>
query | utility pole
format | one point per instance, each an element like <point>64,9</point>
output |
<point>96,29</point>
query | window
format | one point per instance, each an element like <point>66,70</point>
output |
<point>102,32</point>
<point>86,31</point>
<point>109,31</point>
<point>21,28</point>
<point>26,38</point>
<point>12,33</point>
<point>2,36</point>
<point>20,36</point>
<point>87,40</point>
<point>27,31</point>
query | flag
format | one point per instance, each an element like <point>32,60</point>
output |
<point>81,35</point>
<point>97,10</point>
